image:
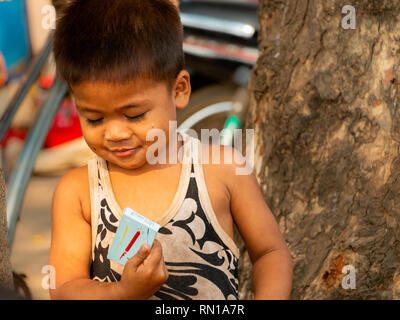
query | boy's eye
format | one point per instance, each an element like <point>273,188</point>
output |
<point>94,122</point>
<point>136,118</point>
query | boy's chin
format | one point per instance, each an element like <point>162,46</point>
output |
<point>127,163</point>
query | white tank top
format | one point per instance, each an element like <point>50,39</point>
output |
<point>202,260</point>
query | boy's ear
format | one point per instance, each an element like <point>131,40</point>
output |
<point>182,89</point>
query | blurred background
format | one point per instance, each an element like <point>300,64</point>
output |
<point>40,135</point>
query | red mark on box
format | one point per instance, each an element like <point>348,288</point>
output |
<point>129,246</point>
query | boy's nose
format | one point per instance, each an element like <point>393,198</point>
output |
<point>116,131</point>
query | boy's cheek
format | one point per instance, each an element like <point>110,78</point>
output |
<point>92,140</point>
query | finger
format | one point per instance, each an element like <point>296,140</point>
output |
<point>139,257</point>
<point>162,265</point>
<point>162,270</point>
<point>155,254</point>
<point>166,273</point>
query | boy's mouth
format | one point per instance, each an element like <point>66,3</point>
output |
<point>123,152</point>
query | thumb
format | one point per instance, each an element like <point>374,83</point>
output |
<point>140,256</point>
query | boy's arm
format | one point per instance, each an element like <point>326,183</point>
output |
<point>272,264</point>
<point>70,251</point>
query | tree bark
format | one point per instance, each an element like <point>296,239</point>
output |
<point>325,110</point>
<point>6,277</point>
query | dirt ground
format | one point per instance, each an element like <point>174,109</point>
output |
<point>30,250</point>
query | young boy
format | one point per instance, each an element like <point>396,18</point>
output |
<point>123,61</point>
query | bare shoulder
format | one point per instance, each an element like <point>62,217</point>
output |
<point>226,157</point>
<point>227,163</point>
<point>247,205</point>
<point>74,187</point>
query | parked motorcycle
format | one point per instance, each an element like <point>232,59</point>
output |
<point>220,45</point>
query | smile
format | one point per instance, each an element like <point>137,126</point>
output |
<point>124,152</point>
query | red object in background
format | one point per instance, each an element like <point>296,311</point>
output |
<point>66,126</point>
<point>13,133</point>
<point>45,82</point>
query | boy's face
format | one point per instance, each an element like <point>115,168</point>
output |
<point>115,118</point>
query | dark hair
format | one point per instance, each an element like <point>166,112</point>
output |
<point>60,4</point>
<point>118,41</point>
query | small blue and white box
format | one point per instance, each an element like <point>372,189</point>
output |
<point>133,231</point>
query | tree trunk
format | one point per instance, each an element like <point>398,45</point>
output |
<point>324,107</point>
<point>6,277</point>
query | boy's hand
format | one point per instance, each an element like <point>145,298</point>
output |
<point>144,273</point>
